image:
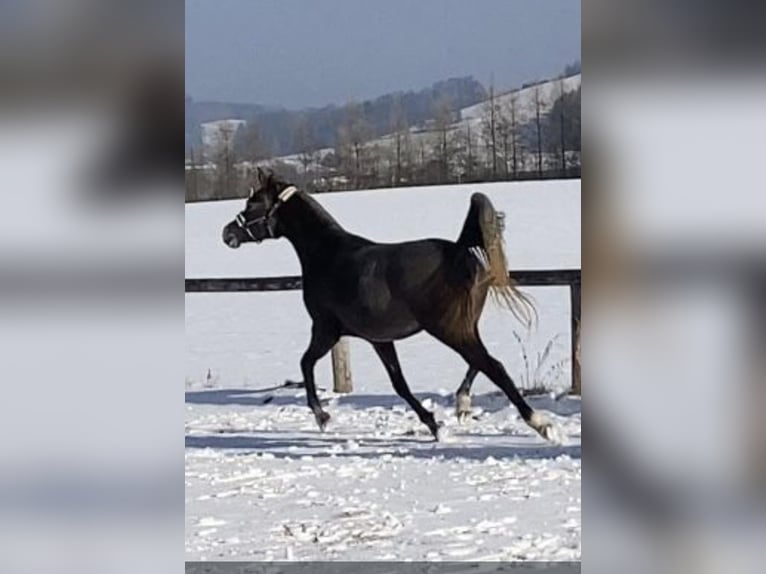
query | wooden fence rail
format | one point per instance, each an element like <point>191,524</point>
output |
<point>530,278</point>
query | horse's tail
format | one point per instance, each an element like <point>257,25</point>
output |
<point>482,235</point>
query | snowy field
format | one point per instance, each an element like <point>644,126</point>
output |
<point>262,483</point>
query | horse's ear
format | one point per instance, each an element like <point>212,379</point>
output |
<point>264,177</point>
<point>261,176</point>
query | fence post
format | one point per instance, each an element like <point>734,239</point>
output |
<point>574,293</point>
<point>341,367</point>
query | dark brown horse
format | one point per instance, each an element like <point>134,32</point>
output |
<point>386,292</point>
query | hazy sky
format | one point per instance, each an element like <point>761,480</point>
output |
<point>297,53</point>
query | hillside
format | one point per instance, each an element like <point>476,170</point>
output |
<point>422,134</point>
<point>535,134</point>
<point>276,126</point>
<point>526,95</point>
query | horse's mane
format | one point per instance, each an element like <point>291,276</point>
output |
<point>323,216</point>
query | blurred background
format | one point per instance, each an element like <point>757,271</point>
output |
<point>91,276</point>
<point>673,341</point>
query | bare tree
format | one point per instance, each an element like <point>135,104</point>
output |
<point>192,180</point>
<point>554,128</point>
<point>513,112</point>
<point>465,153</point>
<point>205,182</point>
<point>508,132</point>
<point>422,156</point>
<point>442,144</point>
<point>538,129</point>
<point>374,155</point>
<point>573,122</point>
<point>225,160</point>
<point>401,142</point>
<point>504,139</point>
<point>562,127</point>
<point>562,143</point>
<point>304,141</point>
<point>469,159</point>
<point>353,135</point>
<point>489,127</point>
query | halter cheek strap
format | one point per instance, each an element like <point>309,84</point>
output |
<point>282,198</point>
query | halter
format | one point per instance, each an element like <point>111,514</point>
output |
<point>265,220</point>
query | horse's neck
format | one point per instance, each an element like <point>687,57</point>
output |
<point>310,228</point>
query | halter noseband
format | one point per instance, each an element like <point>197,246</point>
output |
<point>265,220</point>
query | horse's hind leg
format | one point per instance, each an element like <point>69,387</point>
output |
<point>477,356</point>
<point>387,354</point>
<point>463,395</point>
<point>322,340</point>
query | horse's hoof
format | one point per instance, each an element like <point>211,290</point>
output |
<point>322,419</point>
<point>439,432</point>
<point>546,428</point>
<point>462,408</point>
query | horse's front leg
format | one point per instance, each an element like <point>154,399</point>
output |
<point>322,340</point>
<point>387,354</point>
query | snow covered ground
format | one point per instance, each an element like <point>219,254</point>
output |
<point>263,483</point>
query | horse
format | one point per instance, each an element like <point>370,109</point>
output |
<point>385,292</point>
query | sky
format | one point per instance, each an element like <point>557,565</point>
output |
<point>309,53</point>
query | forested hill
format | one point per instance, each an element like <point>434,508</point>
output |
<point>276,127</point>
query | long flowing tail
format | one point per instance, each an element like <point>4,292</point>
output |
<point>482,235</point>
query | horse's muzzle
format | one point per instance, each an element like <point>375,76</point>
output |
<point>230,236</point>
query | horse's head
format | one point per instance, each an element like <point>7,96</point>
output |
<point>259,220</point>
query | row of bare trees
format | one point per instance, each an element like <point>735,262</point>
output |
<point>532,138</point>
<point>509,139</point>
